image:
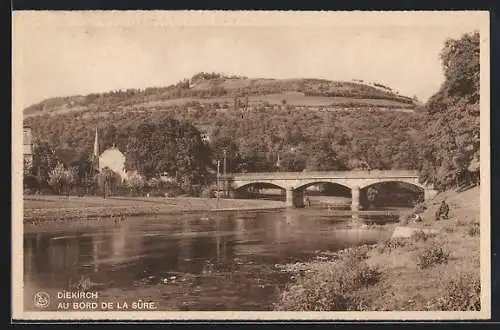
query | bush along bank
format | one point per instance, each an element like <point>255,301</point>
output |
<point>434,270</point>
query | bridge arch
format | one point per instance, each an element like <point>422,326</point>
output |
<point>304,185</point>
<point>261,190</point>
<point>412,182</point>
<point>330,192</point>
<point>245,185</point>
<point>405,193</point>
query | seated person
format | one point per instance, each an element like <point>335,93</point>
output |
<point>442,212</point>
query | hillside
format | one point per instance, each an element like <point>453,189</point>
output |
<point>276,125</point>
<point>304,123</point>
<point>302,137</point>
<point>217,88</point>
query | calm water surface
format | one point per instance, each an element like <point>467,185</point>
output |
<point>185,262</point>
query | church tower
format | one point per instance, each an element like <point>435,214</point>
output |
<point>95,155</point>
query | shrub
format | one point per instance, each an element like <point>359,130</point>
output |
<point>391,244</point>
<point>332,287</point>
<point>474,229</point>
<point>356,254</point>
<point>449,229</point>
<point>30,182</point>
<point>136,183</point>
<point>421,236</point>
<point>461,294</point>
<point>432,255</point>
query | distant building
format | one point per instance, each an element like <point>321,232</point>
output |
<point>205,132</point>
<point>114,159</point>
<point>205,137</point>
<point>27,146</point>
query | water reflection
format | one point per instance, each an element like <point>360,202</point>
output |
<point>239,243</point>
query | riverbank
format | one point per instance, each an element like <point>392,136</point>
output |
<point>41,209</point>
<point>438,271</point>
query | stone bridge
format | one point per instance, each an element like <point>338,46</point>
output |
<point>296,182</point>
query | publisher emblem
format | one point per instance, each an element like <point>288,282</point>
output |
<point>41,299</point>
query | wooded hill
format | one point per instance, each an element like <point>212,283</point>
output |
<point>290,125</point>
<point>273,120</point>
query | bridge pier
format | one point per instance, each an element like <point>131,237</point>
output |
<point>233,194</point>
<point>355,198</point>
<point>294,197</point>
<point>289,197</point>
<point>298,195</point>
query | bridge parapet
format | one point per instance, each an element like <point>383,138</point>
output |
<point>321,175</point>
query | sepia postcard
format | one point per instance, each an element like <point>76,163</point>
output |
<point>250,165</point>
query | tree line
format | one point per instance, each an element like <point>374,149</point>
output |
<point>168,147</point>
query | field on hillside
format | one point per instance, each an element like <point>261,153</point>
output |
<point>292,99</point>
<point>299,92</point>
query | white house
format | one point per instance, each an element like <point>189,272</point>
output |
<point>114,159</point>
<point>27,146</point>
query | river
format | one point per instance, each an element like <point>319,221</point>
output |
<point>221,261</point>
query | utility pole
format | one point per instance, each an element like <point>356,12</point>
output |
<point>218,178</point>
<point>225,168</point>
<point>225,172</point>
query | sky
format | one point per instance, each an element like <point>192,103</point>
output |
<point>62,54</point>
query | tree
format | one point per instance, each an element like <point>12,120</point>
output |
<point>461,67</point>
<point>29,181</point>
<point>107,181</point>
<point>169,146</point>
<point>154,183</point>
<point>452,123</point>
<point>83,167</point>
<point>66,155</point>
<point>71,179</point>
<point>220,144</point>
<point>62,179</point>
<point>44,161</point>
<point>292,162</point>
<point>135,182</point>
<point>254,156</point>
<point>322,157</point>
<point>110,136</point>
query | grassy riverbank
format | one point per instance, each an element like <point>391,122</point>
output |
<point>54,208</point>
<point>424,272</point>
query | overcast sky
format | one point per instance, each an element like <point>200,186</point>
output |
<point>57,55</point>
